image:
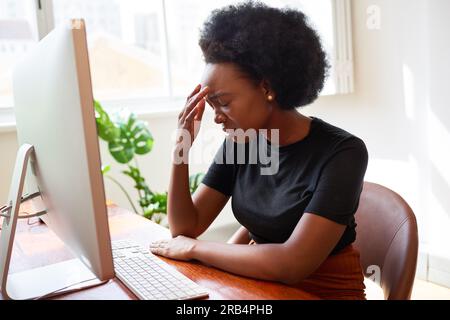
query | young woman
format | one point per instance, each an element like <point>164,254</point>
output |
<point>298,223</point>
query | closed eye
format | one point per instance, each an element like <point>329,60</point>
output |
<point>219,104</point>
<point>222,103</point>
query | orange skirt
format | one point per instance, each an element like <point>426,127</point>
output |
<point>339,277</point>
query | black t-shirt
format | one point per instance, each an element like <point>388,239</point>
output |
<point>321,174</point>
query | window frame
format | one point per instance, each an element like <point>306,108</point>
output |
<point>341,63</point>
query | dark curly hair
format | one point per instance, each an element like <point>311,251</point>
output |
<point>277,45</point>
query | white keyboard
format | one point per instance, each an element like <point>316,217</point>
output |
<point>150,278</point>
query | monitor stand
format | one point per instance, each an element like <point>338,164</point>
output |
<point>42,282</point>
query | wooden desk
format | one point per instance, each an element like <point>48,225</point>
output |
<point>36,245</point>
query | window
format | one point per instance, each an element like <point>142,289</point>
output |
<point>126,46</point>
<point>185,18</point>
<point>18,34</point>
<point>146,52</point>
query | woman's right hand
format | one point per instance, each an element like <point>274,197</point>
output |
<point>190,117</point>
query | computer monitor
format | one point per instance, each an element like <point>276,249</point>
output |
<point>54,109</point>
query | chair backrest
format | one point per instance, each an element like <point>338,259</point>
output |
<point>387,239</point>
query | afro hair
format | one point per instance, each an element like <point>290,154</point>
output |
<point>277,45</point>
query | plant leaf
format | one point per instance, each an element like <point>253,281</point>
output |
<point>107,130</point>
<point>134,138</point>
<point>143,140</point>
<point>119,152</point>
<point>106,168</point>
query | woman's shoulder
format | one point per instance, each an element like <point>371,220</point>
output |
<point>335,137</point>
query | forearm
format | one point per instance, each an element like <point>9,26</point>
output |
<point>262,261</point>
<point>181,212</point>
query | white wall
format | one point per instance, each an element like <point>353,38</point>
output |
<point>399,108</point>
<point>387,108</point>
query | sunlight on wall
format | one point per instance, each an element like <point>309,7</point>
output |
<point>403,178</point>
<point>439,224</point>
<point>408,91</point>
<point>400,176</point>
<point>438,146</point>
<point>439,193</point>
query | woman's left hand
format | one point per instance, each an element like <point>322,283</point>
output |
<point>180,248</point>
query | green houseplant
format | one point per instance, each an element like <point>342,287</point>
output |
<point>128,137</point>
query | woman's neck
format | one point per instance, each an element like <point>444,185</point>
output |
<point>292,126</point>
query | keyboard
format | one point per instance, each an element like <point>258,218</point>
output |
<point>150,278</point>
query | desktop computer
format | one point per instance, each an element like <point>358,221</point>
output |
<point>60,157</point>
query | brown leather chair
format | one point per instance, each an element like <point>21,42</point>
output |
<point>387,238</point>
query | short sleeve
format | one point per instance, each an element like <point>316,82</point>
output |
<point>340,183</point>
<point>221,173</point>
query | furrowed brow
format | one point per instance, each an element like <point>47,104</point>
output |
<point>218,94</point>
